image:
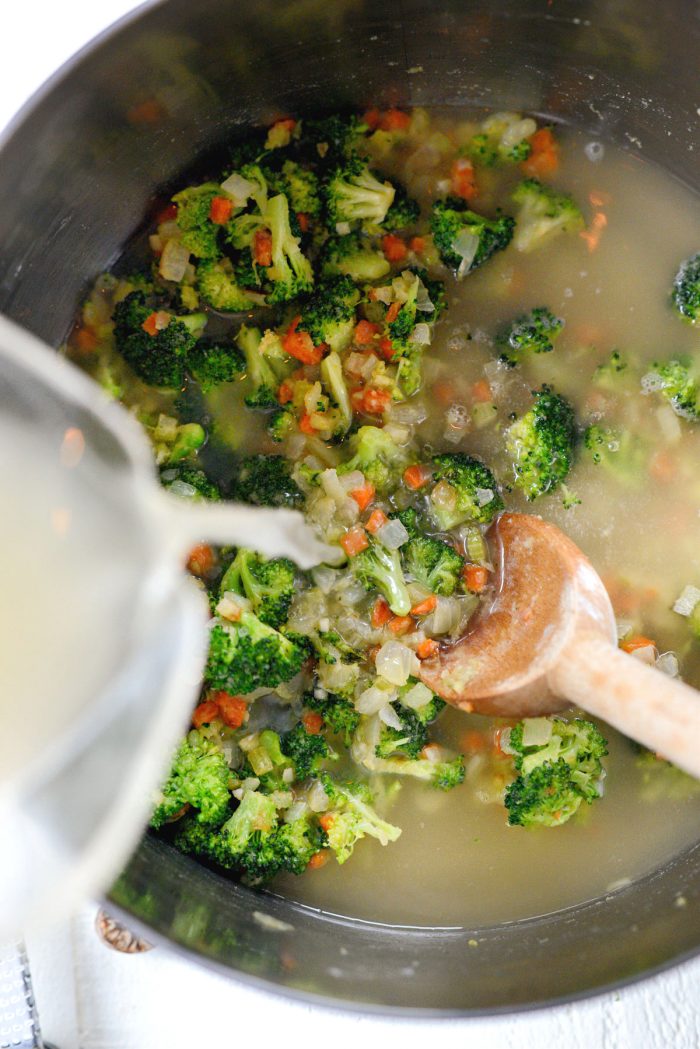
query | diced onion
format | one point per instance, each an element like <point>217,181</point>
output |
<point>646,654</point>
<point>342,228</point>
<point>384,294</point>
<point>687,600</point>
<point>239,188</point>
<point>669,424</point>
<point>517,132</point>
<point>324,577</point>
<point>173,261</point>
<point>352,481</point>
<point>317,799</point>
<point>417,697</point>
<point>536,732</point>
<point>396,662</point>
<point>444,496</point>
<point>465,245</point>
<point>181,488</point>
<point>389,716</point>
<point>392,535</point>
<point>423,301</point>
<point>667,663</point>
<point>296,811</point>
<point>373,699</point>
<point>483,496</point>
<point>421,335</point>
<point>400,435</point>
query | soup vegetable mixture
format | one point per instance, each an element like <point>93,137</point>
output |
<point>401,324</point>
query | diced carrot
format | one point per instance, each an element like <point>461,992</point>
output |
<point>376,520</point>
<point>462,180</point>
<point>372,118</point>
<point>599,198</point>
<point>318,860</point>
<point>631,644</point>
<point>299,344</point>
<point>313,722</point>
<point>150,325</point>
<point>393,312</point>
<point>472,740</point>
<point>542,140</point>
<point>306,426</point>
<point>356,399</point>
<point>425,607</point>
<point>427,649</point>
<point>220,210</point>
<point>167,213</point>
<point>201,560</point>
<point>303,220</point>
<point>326,819</point>
<point>400,625</point>
<point>481,391</point>
<point>394,248</point>
<point>444,392</point>
<point>86,340</point>
<point>544,155</point>
<point>262,247</point>
<point>285,393</point>
<point>286,123</point>
<point>417,245</point>
<point>593,234</point>
<point>381,614</point>
<point>150,111</point>
<point>415,477</point>
<point>394,120</point>
<point>364,496</point>
<point>375,402</point>
<point>387,348</point>
<point>365,332</point>
<point>354,541</point>
<point>475,578</point>
<point>234,709</point>
<point>205,713</point>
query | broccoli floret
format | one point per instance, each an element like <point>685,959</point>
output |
<point>268,584</point>
<point>541,444</point>
<point>380,569</point>
<point>329,315</point>
<point>534,332</point>
<point>307,751</point>
<point>351,817</point>
<point>436,293</point>
<point>332,138</point>
<point>608,375</point>
<point>542,214</point>
<point>260,372</point>
<point>217,286</point>
<point>199,233</point>
<point>281,424</point>
<point>266,480</point>
<point>465,490</point>
<point>334,382</point>
<point>410,520</point>
<point>158,359</point>
<point>434,563</point>
<point>403,212</point>
<point>559,764</point>
<point>409,739</point>
<point>444,774</point>
<point>675,380</point>
<point>199,777</point>
<point>301,187</point>
<point>354,194</point>
<point>686,289</point>
<point>618,451</point>
<point>464,239</point>
<point>249,654</point>
<point>189,482</point>
<point>487,150</point>
<point>289,848</point>
<point>212,363</point>
<point>377,456</point>
<point>337,712</point>
<point>290,273</point>
<point>353,256</point>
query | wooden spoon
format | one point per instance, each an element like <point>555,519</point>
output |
<point>548,641</point>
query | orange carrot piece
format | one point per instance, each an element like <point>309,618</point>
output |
<point>150,325</point>
<point>394,247</point>
<point>400,625</point>
<point>375,402</point>
<point>376,520</point>
<point>220,210</point>
<point>394,120</point>
<point>365,332</point>
<point>201,560</point>
<point>285,393</point>
<point>387,348</point>
<point>425,607</point>
<point>234,709</point>
<point>393,312</point>
<point>205,713</point>
<point>262,247</point>
<point>326,819</point>
<point>312,722</point>
<point>427,649</point>
<point>86,340</point>
<point>303,220</point>
<point>306,426</point>
<point>364,496</point>
<point>381,614</point>
<point>462,180</point>
<point>318,860</point>
<point>632,644</point>
<point>417,245</point>
<point>299,344</point>
<point>415,477</point>
<point>354,541</point>
<point>481,391</point>
<point>475,578</point>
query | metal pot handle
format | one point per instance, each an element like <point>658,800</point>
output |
<point>19,1021</point>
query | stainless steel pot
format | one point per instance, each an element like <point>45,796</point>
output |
<point>77,172</point>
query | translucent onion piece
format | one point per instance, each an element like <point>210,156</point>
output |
<point>389,716</point>
<point>417,697</point>
<point>396,662</point>
<point>173,261</point>
<point>465,245</point>
<point>687,600</point>
<point>239,188</point>
<point>536,732</point>
<point>392,535</point>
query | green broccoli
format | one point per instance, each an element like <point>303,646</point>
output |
<point>334,382</point>
<point>444,773</point>
<point>534,332</point>
<point>436,294</point>
<point>353,256</point>
<point>686,290</point>
<point>211,363</point>
<point>268,584</point>
<point>351,817</point>
<point>608,374</point>
<point>248,654</point>
<point>487,150</point>
<point>266,480</point>
<point>337,712</point>
<point>618,451</point>
<point>675,380</point>
<point>333,138</point>
<point>541,444</point>
<point>434,563</point>
<point>290,273</point>
<point>199,777</point>
<point>159,358</point>
<point>542,214</point>
<point>329,315</point>
<point>216,284</point>
<point>189,482</point>
<point>408,740</point>
<point>377,456</point>
<point>199,233</point>
<point>403,212</point>
<point>301,187</point>
<point>380,569</point>
<point>354,194</point>
<point>464,239</point>
<point>560,766</point>
<point>306,750</point>
<point>464,490</point>
<point>281,424</point>
<point>262,374</point>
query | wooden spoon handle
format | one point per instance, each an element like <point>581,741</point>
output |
<point>644,703</point>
